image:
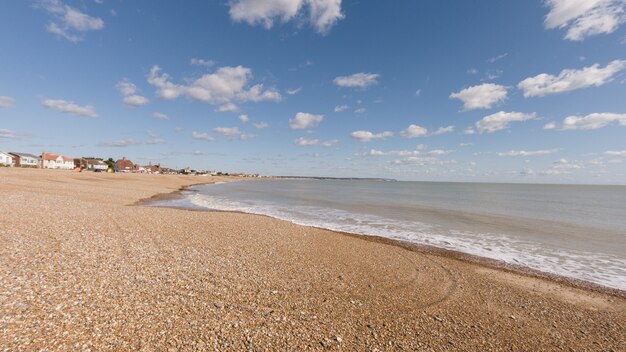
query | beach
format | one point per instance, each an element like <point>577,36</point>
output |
<point>84,266</point>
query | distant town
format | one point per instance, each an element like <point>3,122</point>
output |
<point>96,164</point>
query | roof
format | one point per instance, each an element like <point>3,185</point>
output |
<point>49,156</point>
<point>24,155</point>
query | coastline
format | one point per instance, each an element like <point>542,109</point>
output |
<point>95,272</point>
<point>488,263</point>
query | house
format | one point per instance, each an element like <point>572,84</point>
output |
<point>6,159</point>
<point>91,164</point>
<point>56,161</point>
<point>153,169</point>
<point>25,160</point>
<point>125,165</point>
<point>96,164</point>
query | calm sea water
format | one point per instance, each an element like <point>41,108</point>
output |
<point>571,230</point>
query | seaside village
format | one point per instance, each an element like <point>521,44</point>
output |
<point>62,162</point>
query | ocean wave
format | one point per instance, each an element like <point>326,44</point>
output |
<point>603,269</point>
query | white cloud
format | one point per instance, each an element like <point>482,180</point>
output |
<point>443,130</point>
<point>549,126</point>
<point>305,120</point>
<point>119,143</point>
<point>418,160</point>
<point>562,167</point>
<point>414,131</point>
<point>6,102</point>
<point>202,62</point>
<point>228,107</point>
<point>524,153</point>
<point>340,108</point>
<point>472,71</point>
<point>227,131</point>
<point>244,118</point>
<point>202,136</point>
<point>160,116</point>
<point>500,121</point>
<point>7,134</point>
<point>570,79</point>
<point>128,91</point>
<point>357,80</point>
<point>322,14</point>
<point>593,121</point>
<point>360,110</point>
<point>366,136</point>
<point>69,22</point>
<point>224,87</point>
<point>69,107</point>
<point>585,18</point>
<point>418,92</point>
<point>293,91</point>
<point>260,125</point>
<point>491,60</point>
<point>483,96</point>
<point>301,141</point>
<point>408,153</point>
<point>617,153</point>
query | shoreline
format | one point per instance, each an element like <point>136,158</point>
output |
<point>486,262</point>
<point>90,270</point>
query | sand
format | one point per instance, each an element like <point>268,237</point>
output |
<point>83,268</point>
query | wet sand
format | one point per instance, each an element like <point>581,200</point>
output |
<point>83,267</point>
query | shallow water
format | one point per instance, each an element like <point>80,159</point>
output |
<point>577,231</point>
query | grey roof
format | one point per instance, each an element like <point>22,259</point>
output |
<point>25,154</point>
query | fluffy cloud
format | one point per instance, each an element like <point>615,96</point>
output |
<point>483,96</point>
<point>366,136</point>
<point>357,80</point>
<point>524,153</point>
<point>244,118</point>
<point>69,107</point>
<point>202,62</point>
<point>293,91</point>
<point>593,121</point>
<point>443,130</point>
<point>561,167</point>
<point>301,141</point>
<point>7,134</point>
<point>118,143</point>
<point>260,125</point>
<point>128,91</point>
<point>544,84</point>
<point>491,60</point>
<point>414,131</point>
<point>224,87</point>
<point>202,136</point>
<point>160,116</point>
<point>340,108</point>
<point>322,14</point>
<point>69,22</point>
<point>408,153</point>
<point>585,18</point>
<point>616,153</point>
<point>227,131</point>
<point>304,120</point>
<point>6,102</point>
<point>500,121</point>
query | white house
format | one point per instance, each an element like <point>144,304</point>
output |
<point>6,159</point>
<point>25,159</point>
<point>55,161</point>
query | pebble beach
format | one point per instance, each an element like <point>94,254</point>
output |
<point>85,266</point>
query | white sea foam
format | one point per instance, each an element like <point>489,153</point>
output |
<point>601,268</point>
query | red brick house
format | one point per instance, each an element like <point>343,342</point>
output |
<point>125,165</point>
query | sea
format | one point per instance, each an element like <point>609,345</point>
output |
<point>575,231</point>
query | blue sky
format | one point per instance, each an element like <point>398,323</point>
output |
<point>515,91</point>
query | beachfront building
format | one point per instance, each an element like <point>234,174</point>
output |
<point>152,169</point>
<point>6,159</point>
<point>56,161</point>
<point>125,165</point>
<point>96,164</point>
<point>25,160</point>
